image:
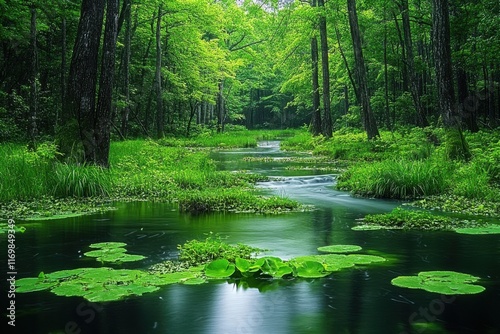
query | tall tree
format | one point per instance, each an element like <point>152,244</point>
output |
<point>367,117</point>
<point>457,147</point>
<point>82,81</point>
<point>410,64</point>
<point>102,123</point>
<point>316,111</point>
<point>160,114</point>
<point>33,80</point>
<point>327,114</point>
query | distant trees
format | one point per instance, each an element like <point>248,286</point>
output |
<point>184,66</point>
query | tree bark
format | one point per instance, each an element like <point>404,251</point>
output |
<point>104,103</point>
<point>82,81</point>
<point>126,69</point>
<point>410,65</point>
<point>221,114</point>
<point>367,117</point>
<point>456,145</point>
<point>327,115</point>
<point>316,113</point>
<point>63,69</point>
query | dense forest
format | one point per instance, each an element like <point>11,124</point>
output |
<point>87,71</point>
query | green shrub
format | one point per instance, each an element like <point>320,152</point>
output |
<point>197,252</point>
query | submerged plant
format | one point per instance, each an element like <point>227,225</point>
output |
<point>443,282</point>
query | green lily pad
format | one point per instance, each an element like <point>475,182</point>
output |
<point>109,244</point>
<point>364,259</point>
<point>311,269</point>
<point>339,249</point>
<point>34,284</point>
<point>195,281</point>
<point>368,227</point>
<point>220,269</point>
<point>246,267</point>
<point>443,282</point>
<point>273,266</point>
<point>491,229</point>
<point>105,252</point>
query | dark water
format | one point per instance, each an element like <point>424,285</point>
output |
<point>360,300</point>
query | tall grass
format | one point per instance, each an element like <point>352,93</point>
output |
<point>399,179</point>
<point>26,175</point>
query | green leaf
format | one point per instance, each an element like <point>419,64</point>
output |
<point>108,245</point>
<point>311,269</point>
<point>339,249</point>
<point>220,269</point>
<point>443,282</point>
<point>491,229</point>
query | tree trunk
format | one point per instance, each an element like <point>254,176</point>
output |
<point>386,83</point>
<point>410,65</point>
<point>327,115</point>
<point>126,70</point>
<point>367,117</point>
<point>82,82</point>
<point>220,108</point>
<point>104,103</point>
<point>159,98</point>
<point>346,64</point>
<point>316,112</point>
<point>456,145</point>
<point>32,129</point>
<point>63,70</point>
<point>467,112</point>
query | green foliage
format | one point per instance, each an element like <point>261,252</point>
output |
<point>4,228</point>
<point>483,230</point>
<point>311,269</point>
<point>400,218</point>
<point>197,252</point>
<point>443,282</point>
<point>112,252</point>
<point>80,181</point>
<point>220,268</point>
<point>339,248</point>
<point>400,179</point>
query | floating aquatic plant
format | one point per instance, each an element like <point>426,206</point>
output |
<point>311,269</point>
<point>112,252</point>
<point>490,229</point>
<point>443,282</point>
<point>273,266</point>
<point>221,268</point>
<point>339,249</point>
<point>4,227</point>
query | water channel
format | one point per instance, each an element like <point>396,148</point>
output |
<point>359,300</point>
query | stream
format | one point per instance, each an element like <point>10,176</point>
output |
<point>357,300</point>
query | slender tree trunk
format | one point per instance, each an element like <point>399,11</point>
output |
<point>160,116</point>
<point>316,113</point>
<point>327,114</point>
<point>467,112</point>
<point>386,82</point>
<point>104,103</point>
<point>82,82</point>
<point>33,132</point>
<point>220,108</point>
<point>367,115</point>
<point>456,145</point>
<point>346,64</point>
<point>126,70</point>
<point>410,65</point>
<point>404,72</point>
<point>63,70</point>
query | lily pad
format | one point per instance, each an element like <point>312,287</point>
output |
<point>491,229</point>
<point>339,249</point>
<point>311,269</point>
<point>368,227</point>
<point>220,269</point>
<point>443,282</point>
<point>109,244</point>
<point>34,284</point>
<point>112,253</point>
<point>104,252</point>
<point>364,259</point>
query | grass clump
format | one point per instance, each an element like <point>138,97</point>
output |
<point>421,220</point>
<point>197,252</point>
<point>235,200</point>
<point>399,179</point>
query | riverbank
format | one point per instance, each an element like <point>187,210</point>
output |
<point>37,185</point>
<point>412,165</point>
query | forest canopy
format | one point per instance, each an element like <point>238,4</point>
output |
<point>84,72</point>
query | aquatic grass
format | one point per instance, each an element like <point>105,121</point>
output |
<point>398,179</point>
<point>80,181</point>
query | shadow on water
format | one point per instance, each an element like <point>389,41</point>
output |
<point>360,300</point>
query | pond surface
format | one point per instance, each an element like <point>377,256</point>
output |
<point>359,300</point>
